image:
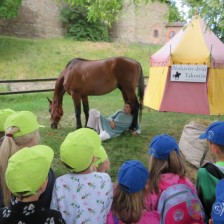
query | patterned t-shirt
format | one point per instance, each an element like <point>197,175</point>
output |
<point>83,198</point>
<point>29,213</point>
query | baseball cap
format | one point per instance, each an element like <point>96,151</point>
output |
<point>3,116</point>
<point>214,133</point>
<point>26,121</point>
<point>77,150</point>
<point>162,145</point>
<point>132,176</point>
<point>218,206</point>
<point>101,155</point>
<point>28,169</point>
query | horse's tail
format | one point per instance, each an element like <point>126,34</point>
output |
<point>141,87</point>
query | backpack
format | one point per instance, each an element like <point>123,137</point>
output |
<point>179,204</point>
<point>214,170</point>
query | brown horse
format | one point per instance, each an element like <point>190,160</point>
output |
<point>82,78</point>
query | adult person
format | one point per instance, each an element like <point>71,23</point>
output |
<point>26,177</point>
<point>114,125</point>
<point>21,130</point>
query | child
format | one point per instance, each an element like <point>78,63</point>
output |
<point>207,180</point>
<point>3,116</point>
<point>26,177</point>
<point>217,208</point>
<point>166,168</point>
<point>101,162</point>
<point>21,130</point>
<point>83,196</point>
<point>128,201</point>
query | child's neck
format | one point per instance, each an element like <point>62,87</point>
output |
<point>31,198</point>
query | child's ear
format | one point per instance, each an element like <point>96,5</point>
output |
<point>210,221</point>
<point>43,186</point>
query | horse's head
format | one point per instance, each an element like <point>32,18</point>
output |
<point>56,113</point>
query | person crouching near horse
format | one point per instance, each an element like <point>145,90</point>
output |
<point>21,130</point>
<point>4,113</point>
<point>128,201</point>
<point>114,125</point>
<point>83,195</point>
<point>26,177</point>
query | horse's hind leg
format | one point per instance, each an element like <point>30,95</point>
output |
<point>85,105</point>
<point>77,105</point>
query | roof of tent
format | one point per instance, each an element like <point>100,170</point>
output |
<point>193,44</point>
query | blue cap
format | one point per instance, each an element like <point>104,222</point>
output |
<point>162,145</point>
<point>132,176</point>
<point>218,206</point>
<point>214,133</point>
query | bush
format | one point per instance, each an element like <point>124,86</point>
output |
<point>79,28</point>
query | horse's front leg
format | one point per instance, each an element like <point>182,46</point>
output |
<point>85,104</point>
<point>77,105</point>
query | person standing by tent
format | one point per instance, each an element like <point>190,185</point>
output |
<point>209,175</point>
<point>114,125</point>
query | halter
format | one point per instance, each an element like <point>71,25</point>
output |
<point>54,111</point>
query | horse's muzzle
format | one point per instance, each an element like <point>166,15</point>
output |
<point>54,125</point>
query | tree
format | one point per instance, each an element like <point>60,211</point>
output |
<point>106,11</point>
<point>9,8</point>
<point>212,12</point>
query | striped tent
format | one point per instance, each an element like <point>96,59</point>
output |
<point>187,73</point>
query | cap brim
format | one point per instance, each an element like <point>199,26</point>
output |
<point>203,136</point>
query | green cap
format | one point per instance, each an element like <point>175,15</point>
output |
<point>26,121</point>
<point>77,150</point>
<point>100,155</point>
<point>28,169</point>
<point>3,116</point>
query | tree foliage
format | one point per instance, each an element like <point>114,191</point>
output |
<point>9,8</point>
<point>106,11</point>
<point>212,12</point>
<point>79,28</point>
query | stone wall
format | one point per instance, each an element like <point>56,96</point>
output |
<point>40,18</point>
<point>141,24</point>
<point>37,18</point>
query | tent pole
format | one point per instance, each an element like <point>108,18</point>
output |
<point>210,56</point>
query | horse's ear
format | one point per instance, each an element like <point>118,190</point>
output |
<point>49,100</point>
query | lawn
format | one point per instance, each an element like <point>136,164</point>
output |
<point>29,58</point>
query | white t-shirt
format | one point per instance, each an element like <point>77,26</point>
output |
<point>83,198</point>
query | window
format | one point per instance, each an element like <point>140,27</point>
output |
<point>155,33</point>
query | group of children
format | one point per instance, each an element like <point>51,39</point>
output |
<point>30,192</point>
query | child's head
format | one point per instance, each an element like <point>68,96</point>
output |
<point>21,130</point>
<point>101,162</point>
<point>77,150</point>
<point>4,114</point>
<point>128,202</point>
<point>215,135</point>
<point>164,158</point>
<point>218,206</point>
<point>27,171</point>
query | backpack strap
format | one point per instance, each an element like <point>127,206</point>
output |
<point>214,170</point>
<point>115,219</point>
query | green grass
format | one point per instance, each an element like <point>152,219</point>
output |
<point>28,58</point>
<point>119,149</point>
<point>46,58</point>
